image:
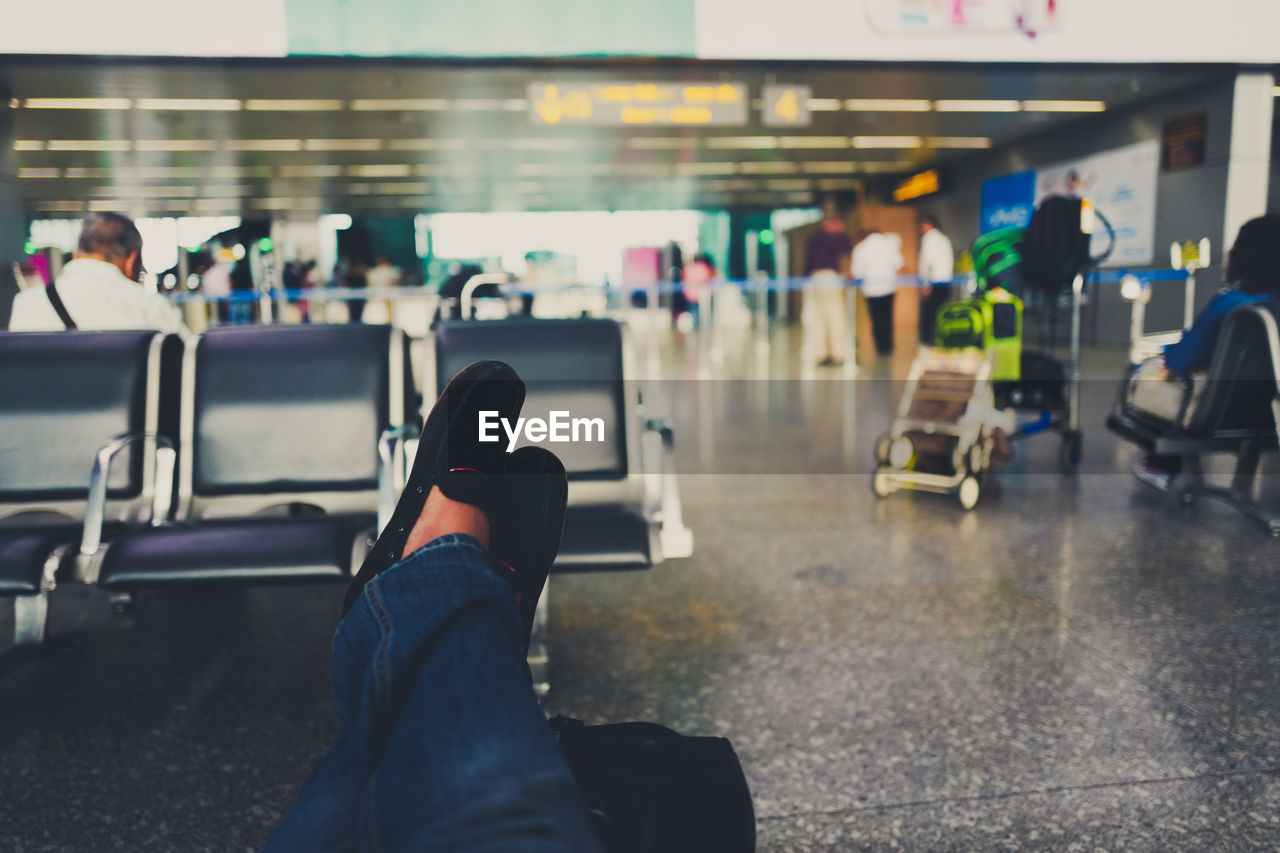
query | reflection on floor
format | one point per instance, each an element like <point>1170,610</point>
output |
<point>1075,663</point>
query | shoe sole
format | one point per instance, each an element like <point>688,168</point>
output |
<point>529,539</point>
<point>387,550</point>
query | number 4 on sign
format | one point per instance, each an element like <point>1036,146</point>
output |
<point>788,106</point>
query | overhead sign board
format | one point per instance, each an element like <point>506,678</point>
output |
<point>1182,144</point>
<point>1008,201</point>
<point>919,184</point>
<point>640,104</point>
<point>786,106</point>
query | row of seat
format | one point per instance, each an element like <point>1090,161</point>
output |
<point>270,454</point>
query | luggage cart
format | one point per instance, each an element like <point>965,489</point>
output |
<point>944,438</point>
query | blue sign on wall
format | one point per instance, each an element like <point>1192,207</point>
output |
<point>1008,200</point>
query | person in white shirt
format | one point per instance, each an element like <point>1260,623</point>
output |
<point>877,258</point>
<point>937,268</point>
<point>384,274</point>
<point>98,288</point>
<point>215,286</point>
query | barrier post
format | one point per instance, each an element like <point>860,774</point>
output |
<point>713,328</point>
<point>761,302</point>
<point>1137,321</point>
<point>1189,299</point>
<point>1073,414</point>
<point>851,308</point>
<point>782,273</point>
<point>655,330</point>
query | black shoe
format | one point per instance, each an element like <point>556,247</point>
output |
<point>450,456</point>
<point>530,522</point>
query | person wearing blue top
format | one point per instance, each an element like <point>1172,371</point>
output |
<point>1253,275</point>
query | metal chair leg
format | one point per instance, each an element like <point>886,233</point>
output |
<point>539,657</point>
<point>30,613</point>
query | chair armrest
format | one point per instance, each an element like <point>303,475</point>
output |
<point>1188,395</point>
<point>676,538</point>
<point>96,503</point>
<point>392,468</point>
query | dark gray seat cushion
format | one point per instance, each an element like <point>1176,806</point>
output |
<point>23,552</point>
<point>242,551</point>
<point>609,537</point>
<point>62,396</point>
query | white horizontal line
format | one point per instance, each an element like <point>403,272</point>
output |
<point>189,104</point>
<point>78,103</point>
<point>972,106</point>
<point>292,104</point>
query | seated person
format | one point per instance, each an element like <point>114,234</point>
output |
<point>1253,275</point>
<point>99,288</point>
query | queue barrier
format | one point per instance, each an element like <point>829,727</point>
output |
<point>753,284</point>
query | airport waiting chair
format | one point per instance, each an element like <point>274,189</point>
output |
<point>291,448</point>
<point>1236,412</point>
<point>86,427</point>
<point>624,503</point>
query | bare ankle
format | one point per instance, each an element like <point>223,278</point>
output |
<point>442,516</point>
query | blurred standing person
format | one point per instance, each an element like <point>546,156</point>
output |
<point>826,265</point>
<point>876,261</point>
<point>698,276</point>
<point>309,275</point>
<point>384,274</point>
<point>99,288</point>
<point>243,302</point>
<point>215,285</point>
<point>355,278</point>
<point>937,268</point>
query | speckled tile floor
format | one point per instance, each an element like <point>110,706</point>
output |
<point>1076,664</point>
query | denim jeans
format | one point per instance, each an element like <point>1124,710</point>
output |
<point>443,745</point>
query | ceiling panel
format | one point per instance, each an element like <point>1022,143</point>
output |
<point>359,136</point>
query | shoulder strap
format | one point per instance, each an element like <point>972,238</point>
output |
<point>51,290</point>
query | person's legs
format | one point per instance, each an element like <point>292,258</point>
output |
<point>938,294</point>
<point>881,310</point>
<point>442,743</point>
<point>835,321</point>
<point>815,328</point>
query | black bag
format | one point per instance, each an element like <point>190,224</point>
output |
<point>1042,386</point>
<point>648,788</point>
<point>1055,248</point>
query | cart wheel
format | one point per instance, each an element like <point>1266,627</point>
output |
<point>976,459</point>
<point>970,491</point>
<point>881,484</point>
<point>882,449</point>
<point>1187,497</point>
<point>1070,452</point>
